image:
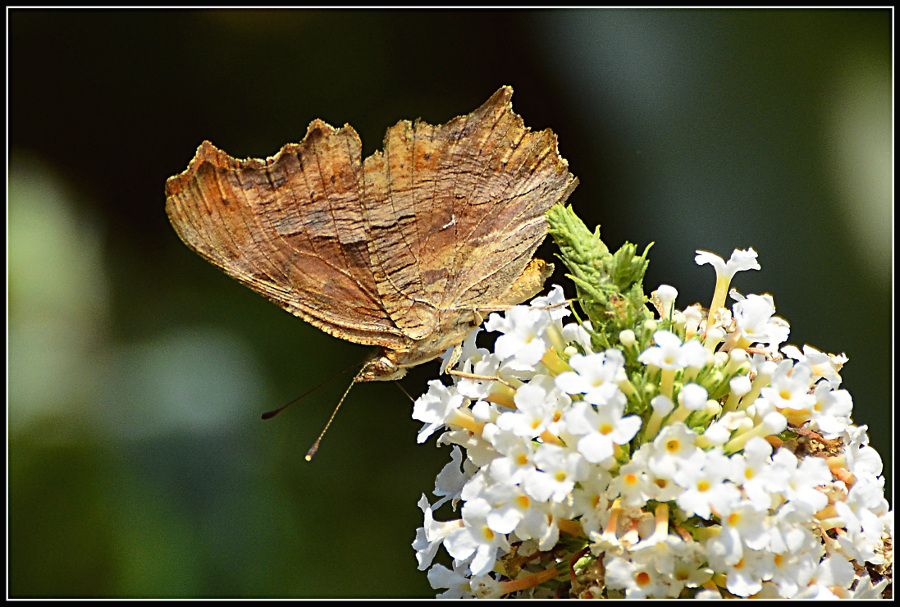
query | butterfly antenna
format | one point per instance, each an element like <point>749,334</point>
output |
<point>274,412</point>
<point>402,389</point>
<point>315,447</point>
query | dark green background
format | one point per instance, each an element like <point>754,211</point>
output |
<point>138,465</point>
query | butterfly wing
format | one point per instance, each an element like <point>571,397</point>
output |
<point>456,211</point>
<point>291,228</point>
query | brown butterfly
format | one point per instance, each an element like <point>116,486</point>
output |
<point>403,250</point>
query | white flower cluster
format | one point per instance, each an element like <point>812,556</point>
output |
<point>694,460</point>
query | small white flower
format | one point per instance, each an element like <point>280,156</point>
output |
<point>755,319</point>
<point>835,570</point>
<point>639,577</point>
<point>673,448</point>
<point>861,458</point>
<point>517,455</point>
<point>753,473</point>
<point>601,428</point>
<point>821,364</point>
<point>578,334</point>
<point>706,485</point>
<point>860,514</point>
<point>740,260</point>
<point>456,582</point>
<point>554,303</point>
<point>633,484</point>
<point>429,538</point>
<point>590,499</point>
<point>485,587</point>
<point>865,589</point>
<point>744,527</point>
<point>468,350</point>
<point>487,365</point>
<point>831,413</point>
<point>509,505</point>
<point>557,471</point>
<point>476,537</point>
<point>535,408</point>
<point>693,316</point>
<point>515,511</point>
<point>522,344</point>
<point>793,571</point>
<point>693,397</point>
<point>745,577</point>
<point>434,407</point>
<point>596,375</point>
<point>789,388</point>
<point>670,353</point>
<point>451,479</point>
<point>801,479</point>
<point>665,296</point>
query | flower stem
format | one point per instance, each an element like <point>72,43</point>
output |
<point>528,581</point>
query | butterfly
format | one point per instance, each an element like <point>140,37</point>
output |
<point>403,250</point>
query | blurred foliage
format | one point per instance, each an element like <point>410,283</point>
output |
<point>137,463</point>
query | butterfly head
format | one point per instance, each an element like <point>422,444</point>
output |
<point>380,368</point>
